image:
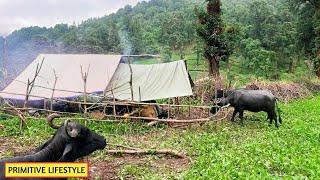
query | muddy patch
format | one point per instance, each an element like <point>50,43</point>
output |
<point>111,169</point>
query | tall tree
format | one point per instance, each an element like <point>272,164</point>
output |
<point>309,14</point>
<point>211,30</point>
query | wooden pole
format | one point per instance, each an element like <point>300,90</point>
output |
<point>168,108</point>
<point>53,89</point>
<point>114,103</point>
<point>131,74</point>
<point>27,94</point>
<point>84,78</point>
<point>139,100</point>
<point>189,77</point>
<point>30,84</point>
<point>174,108</point>
<point>139,94</point>
<point>177,103</point>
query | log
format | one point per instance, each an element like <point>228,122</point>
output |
<point>166,152</point>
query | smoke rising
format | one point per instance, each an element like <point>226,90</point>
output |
<point>125,42</point>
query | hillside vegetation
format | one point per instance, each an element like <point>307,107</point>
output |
<point>271,37</point>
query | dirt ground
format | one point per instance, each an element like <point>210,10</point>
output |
<point>102,169</point>
<point>10,147</point>
<point>110,169</point>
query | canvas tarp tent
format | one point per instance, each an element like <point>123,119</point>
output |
<point>155,81</point>
<point>149,82</point>
<point>67,69</point>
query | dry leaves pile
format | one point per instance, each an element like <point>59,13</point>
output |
<point>283,91</point>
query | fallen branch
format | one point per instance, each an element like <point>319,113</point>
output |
<point>148,152</point>
<point>123,146</point>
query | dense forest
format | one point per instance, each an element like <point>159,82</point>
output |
<point>267,35</point>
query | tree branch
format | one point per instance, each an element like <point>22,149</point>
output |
<point>166,152</point>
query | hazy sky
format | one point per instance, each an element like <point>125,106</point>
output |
<point>15,14</point>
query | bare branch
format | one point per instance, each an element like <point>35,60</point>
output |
<point>84,76</point>
<point>30,84</point>
<point>167,152</point>
<point>53,89</point>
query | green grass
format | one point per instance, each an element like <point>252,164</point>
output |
<point>224,151</point>
<point>259,151</point>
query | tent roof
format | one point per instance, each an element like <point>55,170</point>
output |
<point>67,68</point>
<point>154,81</point>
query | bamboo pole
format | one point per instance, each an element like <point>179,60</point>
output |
<point>154,119</point>
<point>224,108</point>
<point>88,119</point>
<point>105,102</point>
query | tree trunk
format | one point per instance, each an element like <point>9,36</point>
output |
<point>317,64</point>
<point>291,65</point>
<point>181,53</point>
<point>214,72</point>
<point>214,67</point>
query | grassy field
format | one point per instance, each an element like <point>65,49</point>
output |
<point>220,151</point>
